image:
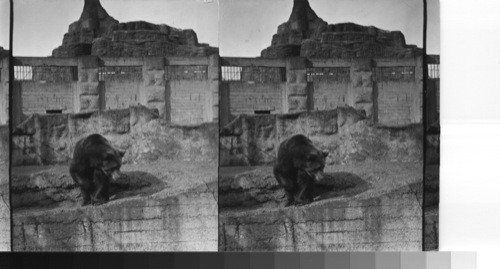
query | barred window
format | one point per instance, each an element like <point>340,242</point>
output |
<point>329,74</point>
<point>433,70</point>
<point>231,73</point>
<point>396,73</point>
<point>120,73</point>
<point>46,73</point>
<point>259,74</point>
<point>23,72</point>
<point>186,72</point>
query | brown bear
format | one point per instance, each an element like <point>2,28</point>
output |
<point>95,163</point>
<point>299,165</point>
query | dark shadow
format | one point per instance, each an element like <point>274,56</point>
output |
<point>273,196</point>
<point>339,184</point>
<point>134,183</point>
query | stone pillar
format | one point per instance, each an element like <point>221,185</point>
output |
<point>224,105</point>
<point>156,94</point>
<point>17,103</point>
<point>4,90</point>
<point>297,87</point>
<point>213,96</point>
<point>418,95</point>
<point>361,92</point>
<point>90,92</point>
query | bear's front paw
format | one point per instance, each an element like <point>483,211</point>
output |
<point>99,201</point>
<point>303,202</point>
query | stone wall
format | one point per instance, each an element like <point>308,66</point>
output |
<point>182,222</point>
<point>117,83</point>
<point>49,139</point>
<point>39,98</point>
<point>4,189</point>
<point>345,132</point>
<point>367,225</point>
<point>389,91</point>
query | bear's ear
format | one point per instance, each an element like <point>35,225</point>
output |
<point>325,153</point>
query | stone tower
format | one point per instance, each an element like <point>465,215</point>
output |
<point>303,15</point>
<point>92,15</point>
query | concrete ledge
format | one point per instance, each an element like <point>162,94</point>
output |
<point>179,216</point>
<point>385,216</point>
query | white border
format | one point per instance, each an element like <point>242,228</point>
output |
<point>470,121</point>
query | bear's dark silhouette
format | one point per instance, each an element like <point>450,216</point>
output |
<point>95,163</point>
<point>299,165</point>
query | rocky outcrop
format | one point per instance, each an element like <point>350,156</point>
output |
<point>135,39</point>
<point>97,33</point>
<point>93,23</point>
<point>50,139</point>
<point>345,132</point>
<point>307,35</point>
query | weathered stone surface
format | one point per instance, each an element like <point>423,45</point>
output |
<point>97,33</point>
<point>4,189</point>
<point>94,22</point>
<point>89,102</point>
<point>297,103</point>
<point>307,35</point>
<point>345,132</point>
<point>50,139</point>
<point>172,206</point>
<point>371,206</point>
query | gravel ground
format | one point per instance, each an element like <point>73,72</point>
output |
<point>175,177</point>
<point>381,177</point>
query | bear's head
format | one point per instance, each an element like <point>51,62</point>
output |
<point>314,163</point>
<point>112,162</point>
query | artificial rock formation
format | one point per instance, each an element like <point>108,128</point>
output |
<point>97,33</point>
<point>307,35</point>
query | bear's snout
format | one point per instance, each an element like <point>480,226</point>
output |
<point>318,176</point>
<point>115,175</point>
